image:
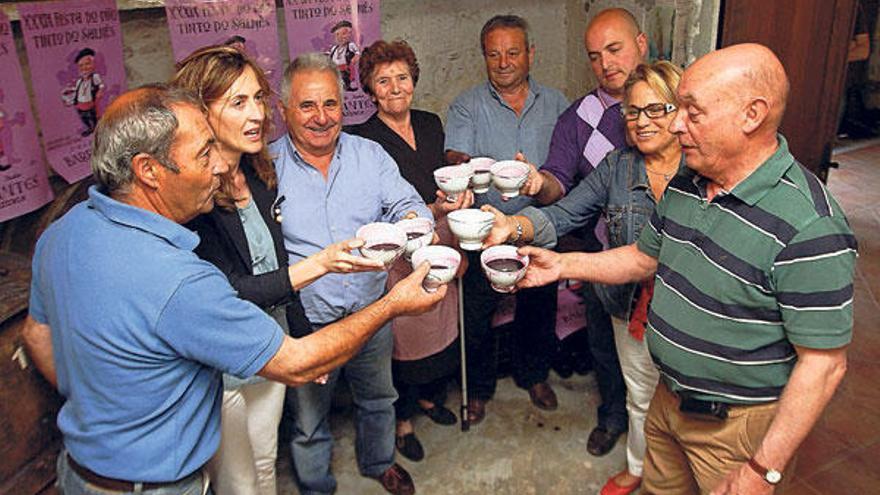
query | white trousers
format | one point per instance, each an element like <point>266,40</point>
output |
<point>641,376</point>
<point>245,462</point>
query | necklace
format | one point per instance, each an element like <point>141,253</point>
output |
<point>666,176</point>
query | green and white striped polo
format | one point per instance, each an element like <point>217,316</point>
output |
<point>744,277</point>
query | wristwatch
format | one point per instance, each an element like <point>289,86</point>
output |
<point>770,475</point>
<point>519,231</point>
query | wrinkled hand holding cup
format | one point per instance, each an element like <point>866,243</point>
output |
<point>504,267</point>
<point>382,241</point>
<point>444,263</point>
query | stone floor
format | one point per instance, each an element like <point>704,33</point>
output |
<point>520,450</point>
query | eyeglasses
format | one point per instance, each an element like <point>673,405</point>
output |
<point>652,111</point>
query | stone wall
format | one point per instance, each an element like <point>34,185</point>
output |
<point>445,36</point>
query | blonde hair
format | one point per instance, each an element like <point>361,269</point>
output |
<point>209,72</point>
<point>662,77</point>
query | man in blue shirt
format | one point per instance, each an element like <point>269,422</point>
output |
<point>135,330</point>
<point>509,114</point>
<point>333,184</point>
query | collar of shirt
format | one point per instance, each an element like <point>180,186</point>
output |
<point>607,100</point>
<point>754,187</point>
<point>141,219</point>
<point>534,93</point>
<point>300,161</point>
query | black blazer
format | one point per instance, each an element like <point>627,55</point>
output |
<point>223,243</point>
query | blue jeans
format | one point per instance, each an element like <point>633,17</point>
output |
<point>369,377</point>
<point>70,483</point>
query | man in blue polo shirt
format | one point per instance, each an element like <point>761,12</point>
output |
<point>135,330</point>
<point>508,115</point>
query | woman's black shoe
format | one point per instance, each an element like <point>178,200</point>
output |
<point>410,447</point>
<point>441,415</point>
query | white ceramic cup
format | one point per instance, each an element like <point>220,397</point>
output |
<point>444,262</point>
<point>453,180</point>
<point>508,176</point>
<point>382,241</point>
<point>482,173</point>
<point>470,226</point>
<point>503,266</point>
<point>419,233</point>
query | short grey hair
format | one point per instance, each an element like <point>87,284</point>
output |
<point>504,21</point>
<point>143,122</point>
<point>310,61</point>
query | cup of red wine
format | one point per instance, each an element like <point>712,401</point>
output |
<point>453,180</point>
<point>509,176</point>
<point>503,266</point>
<point>482,177</point>
<point>444,262</point>
<point>382,241</point>
<point>419,233</point>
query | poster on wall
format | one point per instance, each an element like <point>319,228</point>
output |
<point>340,29</point>
<point>74,49</point>
<point>247,25</point>
<point>24,185</point>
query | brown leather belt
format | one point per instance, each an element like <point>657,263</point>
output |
<point>112,483</point>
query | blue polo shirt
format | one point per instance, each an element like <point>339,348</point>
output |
<point>481,123</point>
<point>141,329</point>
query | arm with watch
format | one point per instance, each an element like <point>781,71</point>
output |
<point>813,381</point>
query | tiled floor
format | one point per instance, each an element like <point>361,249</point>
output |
<point>520,450</point>
<point>839,454</point>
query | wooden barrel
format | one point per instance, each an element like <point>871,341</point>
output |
<point>29,438</point>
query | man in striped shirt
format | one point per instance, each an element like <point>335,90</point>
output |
<point>752,309</point>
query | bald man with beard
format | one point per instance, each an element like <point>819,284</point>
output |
<point>753,263</point>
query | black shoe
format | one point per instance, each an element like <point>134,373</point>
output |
<point>410,447</point>
<point>602,440</point>
<point>441,415</point>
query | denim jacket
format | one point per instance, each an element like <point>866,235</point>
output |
<point>618,189</point>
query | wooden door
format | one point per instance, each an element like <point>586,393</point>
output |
<point>811,38</point>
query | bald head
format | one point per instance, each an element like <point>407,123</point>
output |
<point>746,70</point>
<point>619,19</point>
<point>615,46</point>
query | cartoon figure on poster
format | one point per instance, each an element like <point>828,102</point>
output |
<point>85,92</point>
<point>6,123</point>
<point>345,53</point>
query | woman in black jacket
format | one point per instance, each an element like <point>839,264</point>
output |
<point>242,237</point>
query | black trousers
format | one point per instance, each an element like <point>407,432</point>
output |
<point>534,340</point>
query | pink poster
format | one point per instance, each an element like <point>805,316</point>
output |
<point>24,184</point>
<point>248,25</point>
<point>341,29</point>
<point>74,49</point>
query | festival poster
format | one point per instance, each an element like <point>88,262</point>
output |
<point>248,25</point>
<point>341,29</point>
<point>74,49</point>
<point>24,184</point>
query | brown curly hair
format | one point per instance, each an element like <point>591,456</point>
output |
<point>383,52</point>
<point>209,72</point>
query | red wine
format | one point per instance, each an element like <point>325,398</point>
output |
<point>385,246</point>
<point>414,235</point>
<point>439,267</point>
<point>505,264</point>
<point>481,171</point>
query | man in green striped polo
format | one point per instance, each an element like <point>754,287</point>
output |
<point>753,264</point>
